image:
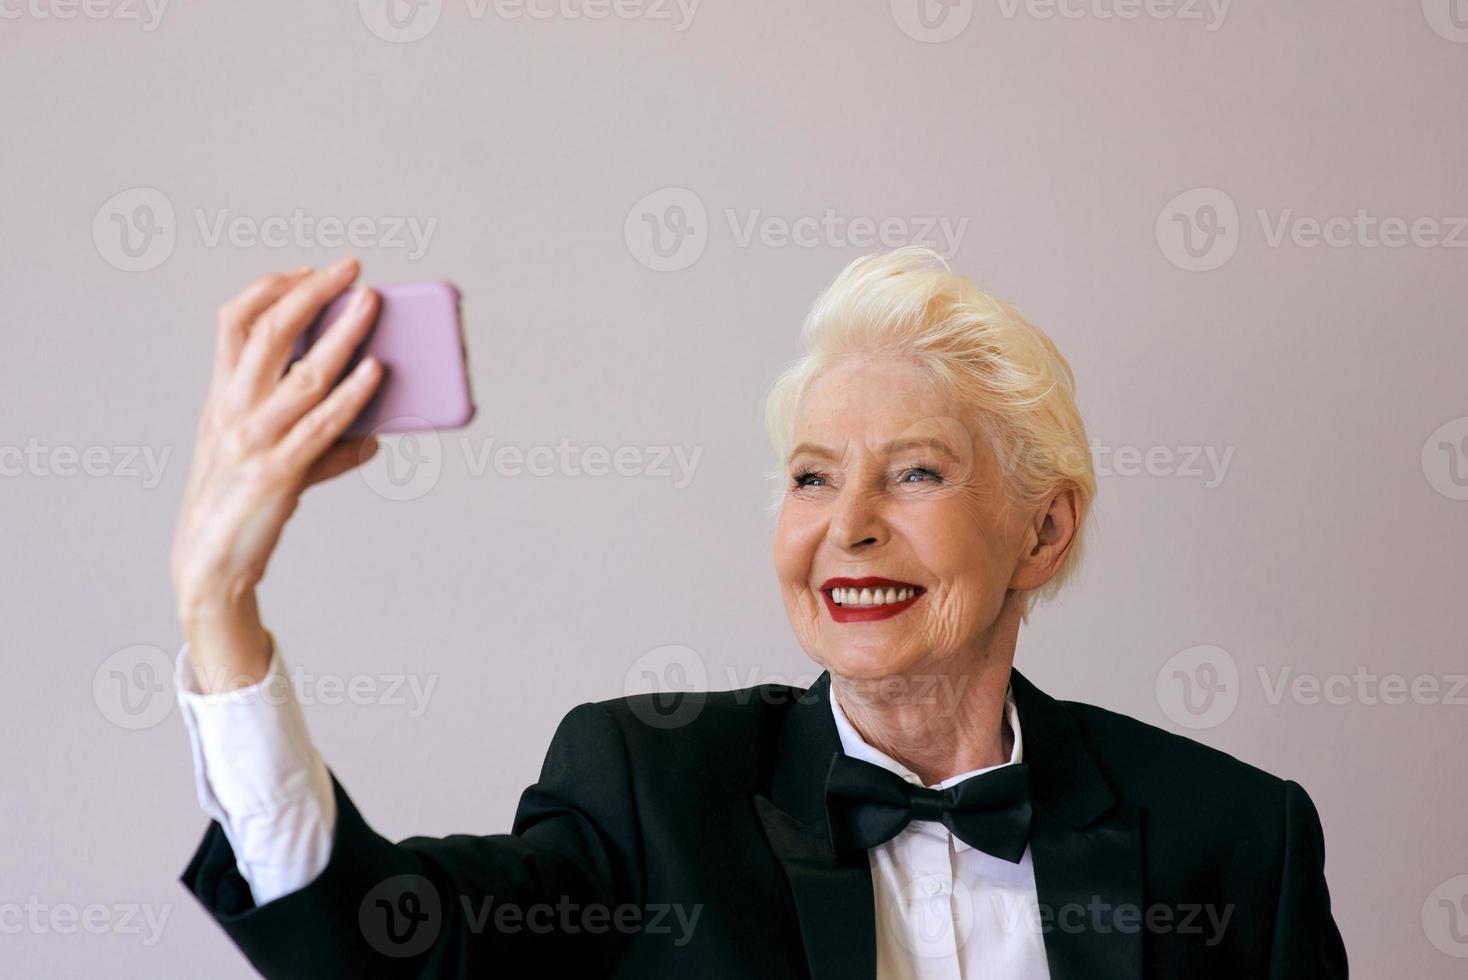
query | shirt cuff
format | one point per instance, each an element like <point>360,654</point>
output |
<point>259,775</point>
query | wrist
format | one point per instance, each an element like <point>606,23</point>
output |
<point>228,644</point>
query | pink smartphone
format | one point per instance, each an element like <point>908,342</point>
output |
<point>419,340</point>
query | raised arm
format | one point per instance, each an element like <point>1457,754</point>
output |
<point>289,868</point>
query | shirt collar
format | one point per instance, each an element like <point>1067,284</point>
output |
<point>855,746</point>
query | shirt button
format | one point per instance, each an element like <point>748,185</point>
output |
<point>934,886</point>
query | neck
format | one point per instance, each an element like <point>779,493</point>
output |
<point>941,717</point>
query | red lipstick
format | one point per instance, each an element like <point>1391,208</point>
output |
<point>865,614</point>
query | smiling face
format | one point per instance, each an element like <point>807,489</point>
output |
<point>887,482</point>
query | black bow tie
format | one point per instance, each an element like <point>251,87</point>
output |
<point>867,805</point>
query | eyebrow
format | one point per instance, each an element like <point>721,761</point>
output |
<point>890,449</point>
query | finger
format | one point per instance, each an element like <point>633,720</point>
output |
<point>271,339</point>
<point>344,455</point>
<point>314,433</point>
<point>237,315</point>
<point>308,380</point>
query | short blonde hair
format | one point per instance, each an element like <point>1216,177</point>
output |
<point>909,303</point>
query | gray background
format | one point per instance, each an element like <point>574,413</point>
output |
<point>1333,544</point>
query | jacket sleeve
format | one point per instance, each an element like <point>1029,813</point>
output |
<point>552,897</point>
<point>1307,945</point>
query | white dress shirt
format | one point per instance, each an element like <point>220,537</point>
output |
<point>258,774</point>
<point>944,909</point>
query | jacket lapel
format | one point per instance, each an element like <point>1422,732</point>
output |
<point>833,895</point>
<point>1086,846</point>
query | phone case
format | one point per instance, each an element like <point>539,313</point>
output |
<point>419,340</point>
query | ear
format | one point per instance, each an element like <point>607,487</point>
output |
<point>1047,539</point>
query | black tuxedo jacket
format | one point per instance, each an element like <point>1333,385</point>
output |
<point>687,838</point>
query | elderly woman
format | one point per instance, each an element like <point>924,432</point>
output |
<point>922,810</point>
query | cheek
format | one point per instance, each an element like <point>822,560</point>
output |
<point>794,550</point>
<point>957,543</point>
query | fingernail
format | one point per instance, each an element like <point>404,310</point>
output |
<point>302,270</point>
<point>341,264</point>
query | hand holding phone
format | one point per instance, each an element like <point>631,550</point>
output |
<point>418,339</point>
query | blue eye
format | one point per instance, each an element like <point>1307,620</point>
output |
<point>803,476</point>
<point>928,473</point>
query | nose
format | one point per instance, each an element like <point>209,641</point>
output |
<point>857,522</point>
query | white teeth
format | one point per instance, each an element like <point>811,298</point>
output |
<point>870,597</point>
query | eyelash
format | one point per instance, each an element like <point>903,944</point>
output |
<point>798,482</point>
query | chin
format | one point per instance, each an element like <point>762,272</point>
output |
<point>863,662</point>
